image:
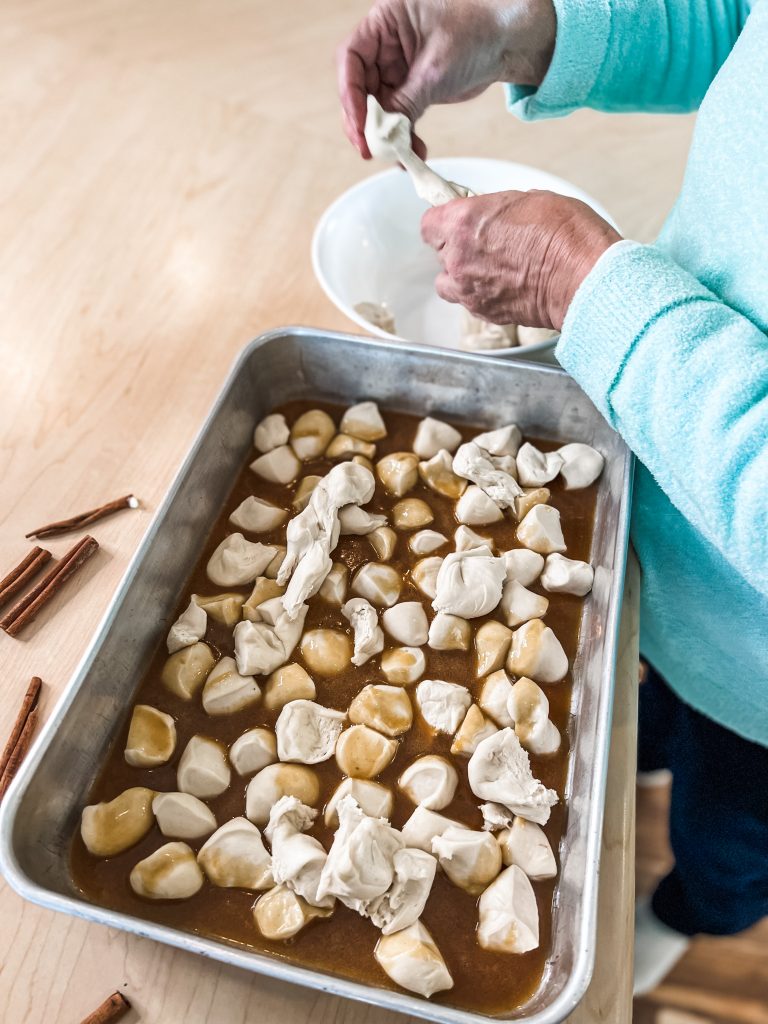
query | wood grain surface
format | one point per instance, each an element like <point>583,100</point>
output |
<point>163,167</point>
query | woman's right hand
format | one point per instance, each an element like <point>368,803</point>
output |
<point>412,53</point>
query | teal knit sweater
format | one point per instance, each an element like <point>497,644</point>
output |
<point>671,340</point>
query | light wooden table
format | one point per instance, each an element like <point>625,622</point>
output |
<point>163,166</point>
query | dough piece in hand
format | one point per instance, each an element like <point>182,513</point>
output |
<point>449,633</point>
<point>151,737</point>
<point>280,913</point>
<point>430,781</point>
<point>364,419</point>
<point>472,731</point>
<point>582,465</point>
<point>529,708</point>
<point>509,916</point>
<point>432,435</point>
<point>254,750</point>
<point>519,605</point>
<point>537,653</point>
<point>307,732</point>
<point>374,799</point>
<point>479,335</point>
<point>534,335</point>
<point>291,682</point>
<point>183,816</point>
<point>492,642</point>
<point>535,468</point>
<point>475,508</point>
<point>422,827</point>
<point>443,705</point>
<point>186,670</point>
<point>499,771</point>
<point>271,432</point>
<point>387,709</point>
<point>567,576</point>
<point>541,530</point>
<point>369,636</point>
<point>438,474</point>
<point>188,629</point>
<point>399,472</point>
<point>278,466</point>
<point>494,697</point>
<point>402,904</point>
<point>115,825</point>
<point>363,753</point>
<point>424,575</point>
<point>311,434</point>
<point>237,561</point>
<point>203,770</point>
<point>403,665</point>
<point>495,475</point>
<point>522,565</point>
<point>469,583</point>
<point>276,781</point>
<point>378,583</point>
<point>525,844</point>
<point>298,860</point>
<point>327,652</point>
<point>501,441</point>
<point>226,691</point>
<point>412,960</point>
<point>407,623</point>
<point>257,515</point>
<point>470,859</point>
<point>235,857</point>
<point>170,873</point>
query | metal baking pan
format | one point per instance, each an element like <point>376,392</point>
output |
<point>42,808</point>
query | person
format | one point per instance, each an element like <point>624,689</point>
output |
<point>669,341</point>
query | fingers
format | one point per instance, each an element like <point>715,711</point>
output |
<point>446,287</point>
<point>351,75</point>
<point>435,227</point>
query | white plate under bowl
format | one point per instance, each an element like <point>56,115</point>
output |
<point>367,247</point>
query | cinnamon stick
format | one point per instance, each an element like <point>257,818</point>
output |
<point>25,571</point>
<point>21,735</point>
<point>111,1009</point>
<point>25,610</point>
<point>85,518</point>
<point>19,752</point>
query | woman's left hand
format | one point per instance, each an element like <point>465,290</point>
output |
<point>516,257</point>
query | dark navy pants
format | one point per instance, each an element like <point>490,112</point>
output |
<point>718,816</point>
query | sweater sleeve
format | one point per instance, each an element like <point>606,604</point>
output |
<point>684,379</point>
<point>633,55</point>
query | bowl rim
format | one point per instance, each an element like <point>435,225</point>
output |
<point>437,163</point>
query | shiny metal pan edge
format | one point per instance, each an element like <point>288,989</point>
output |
<point>39,812</point>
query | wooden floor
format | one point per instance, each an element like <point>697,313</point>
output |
<point>719,981</point>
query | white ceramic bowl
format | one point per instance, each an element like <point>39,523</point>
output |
<point>367,247</point>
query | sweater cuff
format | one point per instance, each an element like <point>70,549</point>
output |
<point>581,43</point>
<point>629,288</point>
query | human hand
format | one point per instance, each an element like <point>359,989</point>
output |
<point>516,257</point>
<point>412,53</point>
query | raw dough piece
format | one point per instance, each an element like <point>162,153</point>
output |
<point>509,916</point>
<point>271,432</point>
<point>186,670</point>
<point>369,636</point>
<point>499,770</point>
<point>442,705</point>
<point>438,474</point>
<point>223,608</point>
<point>237,561</point>
<point>226,691</point>
<point>582,465</point>
<point>378,314</point>
<point>278,466</point>
<point>170,873</point>
<point>470,859</point>
<point>264,589</point>
<point>526,501</point>
<point>378,583</point>
<point>469,583</point>
<point>402,904</point>
<point>567,576</point>
<point>291,682</point>
<point>477,334</point>
<point>434,435</point>
<point>280,914</point>
<point>529,708</point>
<point>115,825</point>
<point>183,816</point>
<point>472,731</point>
<point>412,960</point>
<point>235,857</point>
<point>424,575</point>
<point>494,697</point>
<point>407,623</point>
<point>364,419</point>
<point>387,709</point>
<point>327,652</point>
<point>430,781</point>
<point>364,753</point>
<point>501,441</point>
<point>494,474</point>
<point>383,541</point>
<point>449,633</point>
<point>492,642</point>
<point>399,472</point>
<point>151,737</point>
<point>203,770</point>
<point>261,647</point>
<point>334,588</point>
<point>345,447</point>
<point>411,514</point>
<point>475,508</point>
<point>466,539</point>
<point>188,629</point>
<point>403,665</point>
<point>534,335</point>
<point>541,530</point>
<point>276,781</point>
<point>257,515</point>
<point>522,565</point>
<point>298,860</point>
<point>535,468</point>
<point>374,799</point>
<point>356,522</point>
<point>307,732</point>
<point>426,541</point>
<point>525,844</point>
<point>519,605</point>
<point>311,434</point>
<point>252,751</point>
<point>422,827</point>
<point>537,653</point>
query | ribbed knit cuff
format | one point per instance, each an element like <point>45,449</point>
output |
<point>629,288</point>
<point>583,31</point>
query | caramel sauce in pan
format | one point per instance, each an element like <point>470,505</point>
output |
<point>343,944</point>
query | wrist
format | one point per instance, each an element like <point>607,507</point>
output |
<point>528,29</point>
<point>567,278</point>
